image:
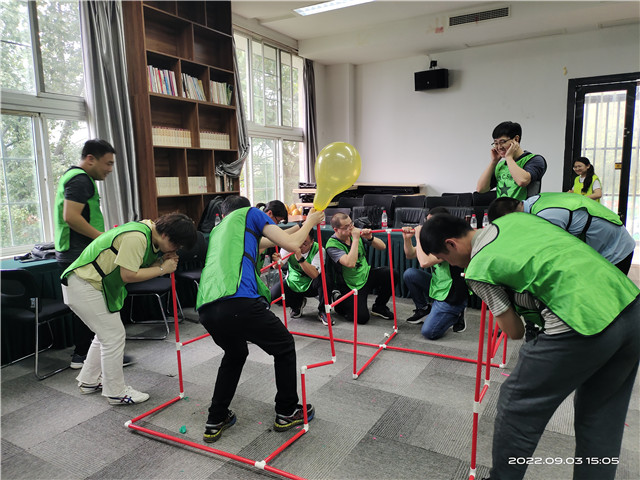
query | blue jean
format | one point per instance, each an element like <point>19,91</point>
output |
<point>443,315</point>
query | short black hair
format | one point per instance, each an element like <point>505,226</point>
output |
<point>509,129</point>
<point>96,148</point>
<point>278,209</point>
<point>501,206</point>
<point>337,218</point>
<point>233,202</point>
<point>179,228</point>
<point>440,227</point>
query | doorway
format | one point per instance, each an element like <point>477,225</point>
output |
<point>603,124</point>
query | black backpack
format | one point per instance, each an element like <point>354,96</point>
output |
<point>208,219</point>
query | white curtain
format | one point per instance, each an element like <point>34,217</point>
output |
<point>108,105</point>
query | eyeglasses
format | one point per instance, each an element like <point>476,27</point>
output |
<point>346,227</point>
<point>499,143</point>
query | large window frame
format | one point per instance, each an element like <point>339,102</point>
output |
<point>41,106</point>
<point>258,128</point>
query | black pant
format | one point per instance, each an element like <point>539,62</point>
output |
<point>231,324</point>
<point>82,335</point>
<point>294,299</point>
<point>379,278</point>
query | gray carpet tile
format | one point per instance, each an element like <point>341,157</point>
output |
<point>447,389</point>
<point>631,438</point>
<point>23,391</point>
<point>384,459</point>
<point>24,465</point>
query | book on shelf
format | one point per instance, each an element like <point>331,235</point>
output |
<point>220,92</point>
<point>197,184</point>
<point>170,137</point>
<point>168,185</point>
<point>216,140</point>
<point>193,88</point>
<point>161,81</point>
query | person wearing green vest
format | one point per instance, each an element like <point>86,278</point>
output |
<point>78,220</point>
<point>586,182</point>
<point>233,304</point>
<point>582,217</point>
<point>303,278</point>
<point>440,295</point>
<point>512,171</point>
<point>94,287</point>
<point>589,344</point>
<point>346,249</point>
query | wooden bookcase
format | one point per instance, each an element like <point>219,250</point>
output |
<point>190,42</point>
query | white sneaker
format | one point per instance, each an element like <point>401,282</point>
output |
<point>87,388</point>
<point>129,397</point>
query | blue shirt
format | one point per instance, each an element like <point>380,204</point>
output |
<point>256,221</point>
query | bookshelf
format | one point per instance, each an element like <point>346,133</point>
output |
<point>180,67</point>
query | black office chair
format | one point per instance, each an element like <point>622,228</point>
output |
<point>191,262</point>
<point>372,212</point>
<point>483,199</point>
<point>409,217</point>
<point>21,302</point>
<point>464,199</point>
<point>156,287</point>
<point>415,201</point>
<point>330,212</point>
<point>460,212</point>
<point>349,202</point>
<point>448,201</point>
<point>381,200</point>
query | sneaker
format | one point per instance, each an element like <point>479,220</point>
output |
<point>324,319</point>
<point>335,295</point>
<point>87,388</point>
<point>129,397</point>
<point>460,325</point>
<point>285,422</point>
<point>297,313</point>
<point>77,361</point>
<point>382,311</point>
<point>213,431</point>
<point>418,316</point>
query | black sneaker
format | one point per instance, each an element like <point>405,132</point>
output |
<point>285,422</point>
<point>418,316</point>
<point>325,319</point>
<point>297,313</point>
<point>335,295</point>
<point>128,360</point>
<point>382,311</point>
<point>213,431</point>
<point>460,325</point>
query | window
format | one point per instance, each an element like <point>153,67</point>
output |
<point>272,89</point>
<point>43,121</point>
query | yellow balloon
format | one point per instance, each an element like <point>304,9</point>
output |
<point>337,168</point>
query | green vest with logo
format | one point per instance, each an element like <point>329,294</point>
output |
<point>531,255</point>
<point>222,270</point>
<point>506,185</point>
<point>355,277</point>
<point>577,186</point>
<point>63,231</point>
<point>114,288</point>
<point>441,281</point>
<point>572,203</point>
<point>297,280</point>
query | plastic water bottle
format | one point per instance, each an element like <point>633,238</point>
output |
<point>485,220</point>
<point>474,222</point>
<point>384,220</point>
<point>216,222</point>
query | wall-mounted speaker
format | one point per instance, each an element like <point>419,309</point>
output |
<point>431,79</point>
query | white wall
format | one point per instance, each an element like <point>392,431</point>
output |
<point>441,137</point>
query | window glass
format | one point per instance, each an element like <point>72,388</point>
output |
<point>270,86</point>
<point>287,89</point>
<point>66,139</point>
<point>257,83</point>
<point>16,72</point>
<point>61,47</point>
<point>262,169</point>
<point>292,170</point>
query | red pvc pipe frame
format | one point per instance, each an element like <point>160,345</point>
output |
<point>493,342</point>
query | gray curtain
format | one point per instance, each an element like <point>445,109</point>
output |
<point>310,103</point>
<point>108,105</point>
<point>234,168</point>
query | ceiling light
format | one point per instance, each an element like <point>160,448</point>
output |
<point>327,6</point>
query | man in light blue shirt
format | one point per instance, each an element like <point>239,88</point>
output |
<point>582,217</point>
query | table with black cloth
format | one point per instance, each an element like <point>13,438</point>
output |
<point>18,338</point>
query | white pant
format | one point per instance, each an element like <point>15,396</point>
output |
<point>104,359</point>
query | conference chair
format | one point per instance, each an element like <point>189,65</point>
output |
<point>465,199</point>
<point>22,302</point>
<point>415,201</point>
<point>448,201</point>
<point>409,217</point>
<point>331,211</point>
<point>156,287</point>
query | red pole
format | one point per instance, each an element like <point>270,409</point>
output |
<point>177,330</point>
<point>393,285</point>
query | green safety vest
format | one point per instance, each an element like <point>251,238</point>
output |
<point>506,185</point>
<point>531,255</point>
<point>114,288</point>
<point>577,186</point>
<point>441,281</point>
<point>297,280</point>
<point>355,277</point>
<point>63,231</point>
<point>572,203</point>
<point>222,270</point>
